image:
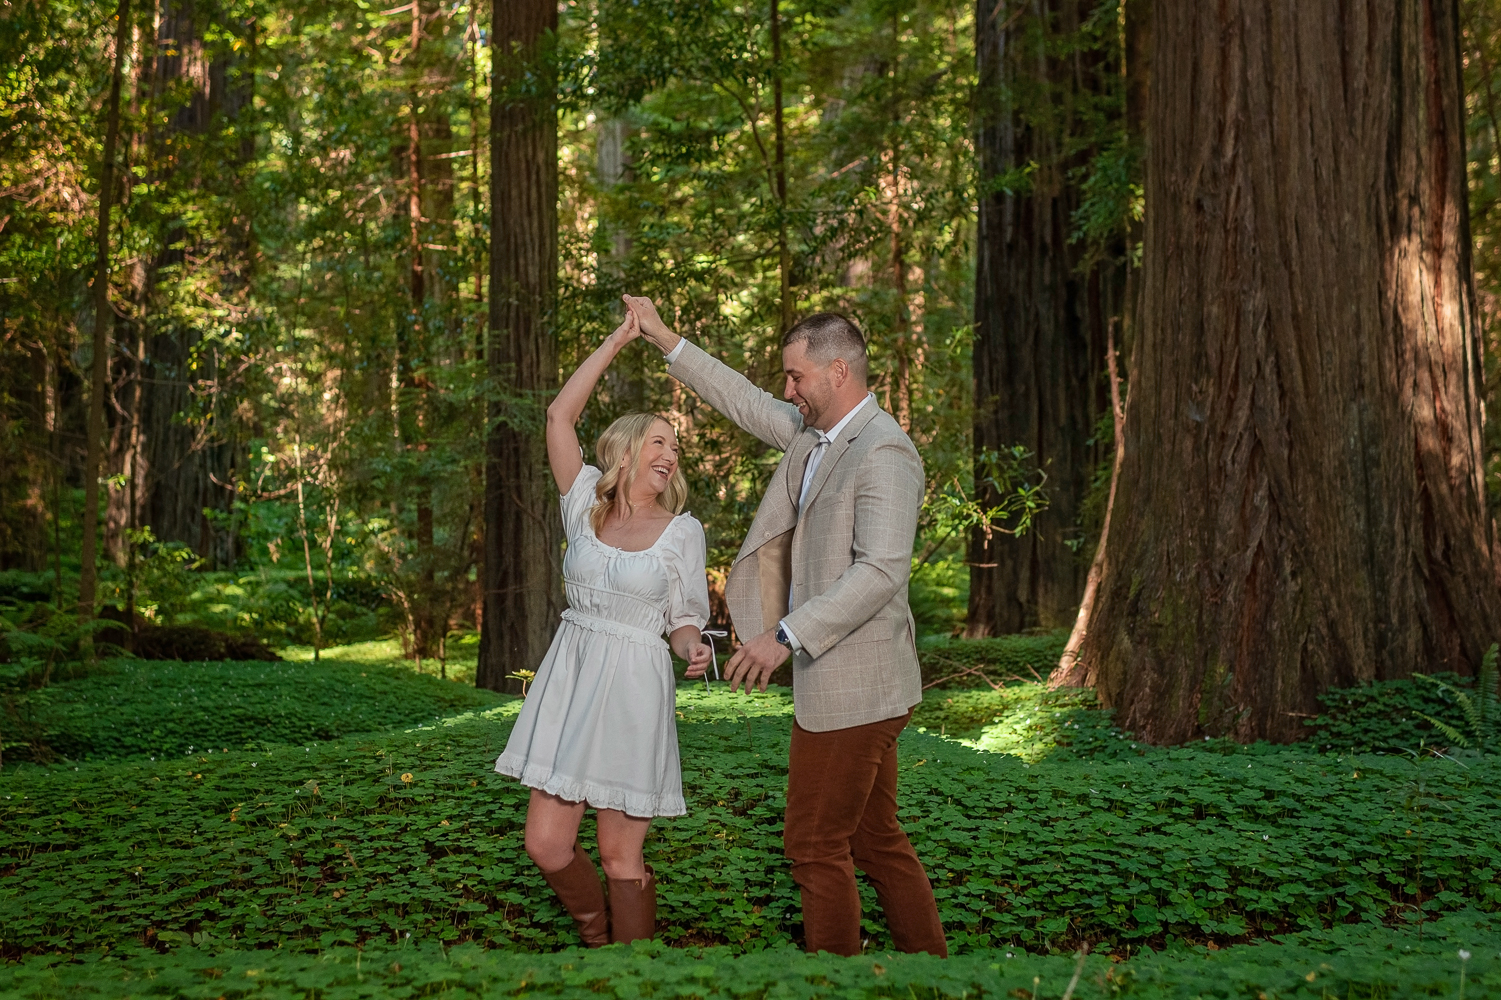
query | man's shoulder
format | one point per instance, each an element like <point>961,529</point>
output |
<point>884,430</point>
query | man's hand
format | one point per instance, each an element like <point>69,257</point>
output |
<point>754,661</point>
<point>652,327</point>
<point>698,659</point>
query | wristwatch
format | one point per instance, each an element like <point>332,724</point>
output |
<point>781,636</point>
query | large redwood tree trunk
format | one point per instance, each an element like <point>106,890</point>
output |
<point>178,468</point>
<point>1301,499</point>
<point>1039,323</point>
<point>521,599</point>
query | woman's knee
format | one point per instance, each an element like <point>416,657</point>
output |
<point>549,851</point>
<point>622,864</point>
<point>621,857</point>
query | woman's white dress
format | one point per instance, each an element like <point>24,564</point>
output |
<point>599,724</point>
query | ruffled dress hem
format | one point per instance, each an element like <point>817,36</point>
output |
<point>592,793</point>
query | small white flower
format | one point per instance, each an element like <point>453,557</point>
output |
<point>1464,956</point>
<point>1266,836</point>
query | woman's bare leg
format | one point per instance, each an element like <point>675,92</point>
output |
<point>552,828</point>
<point>620,840</point>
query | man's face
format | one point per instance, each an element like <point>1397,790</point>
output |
<point>810,386</point>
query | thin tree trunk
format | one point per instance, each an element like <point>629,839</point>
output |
<point>901,403</point>
<point>57,467</point>
<point>419,344</point>
<point>103,323</point>
<point>1069,672</point>
<point>521,550</point>
<point>307,551</point>
<point>1301,501</point>
<point>132,485</point>
<point>784,251</point>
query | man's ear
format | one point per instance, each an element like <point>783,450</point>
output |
<point>839,370</point>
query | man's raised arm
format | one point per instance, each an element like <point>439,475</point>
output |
<point>751,408</point>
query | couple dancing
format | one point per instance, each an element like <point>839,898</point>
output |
<point>822,577</point>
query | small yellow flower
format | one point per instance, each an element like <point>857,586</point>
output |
<point>406,779</point>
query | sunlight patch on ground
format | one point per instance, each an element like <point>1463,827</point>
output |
<point>463,656</point>
<point>717,704</point>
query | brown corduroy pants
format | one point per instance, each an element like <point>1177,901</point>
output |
<point>841,815</point>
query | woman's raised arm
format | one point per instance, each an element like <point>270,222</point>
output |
<point>564,411</point>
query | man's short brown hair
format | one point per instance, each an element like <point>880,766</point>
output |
<point>829,336</point>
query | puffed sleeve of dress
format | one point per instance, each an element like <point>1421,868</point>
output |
<point>688,585</point>
<point>578,501</point>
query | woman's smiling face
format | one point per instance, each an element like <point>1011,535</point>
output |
<point>657,463</point>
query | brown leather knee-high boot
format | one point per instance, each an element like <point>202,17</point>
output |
<point>577,886</point>
<point>633,907</point>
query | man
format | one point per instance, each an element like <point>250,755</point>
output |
<point>823,577</point>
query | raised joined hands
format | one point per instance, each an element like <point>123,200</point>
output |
<point>652,327</point>
<point>628,330</point>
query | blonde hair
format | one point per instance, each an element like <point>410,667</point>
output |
<point>627,436</point>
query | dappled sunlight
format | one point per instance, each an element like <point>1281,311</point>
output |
<point>462,649</point>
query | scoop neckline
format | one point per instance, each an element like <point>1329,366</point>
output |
<point>636,552</point>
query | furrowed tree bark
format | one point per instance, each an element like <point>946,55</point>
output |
<point>1039,324</point>
<point>103,322</point>
<point>521,597</point>
<point>1301,499</point>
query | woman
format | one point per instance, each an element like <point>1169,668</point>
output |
<point>598,727</point>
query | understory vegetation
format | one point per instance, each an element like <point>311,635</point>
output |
<point>335,829</point>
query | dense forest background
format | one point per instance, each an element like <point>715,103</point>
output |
<point>310,387</point>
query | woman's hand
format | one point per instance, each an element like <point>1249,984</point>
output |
<point>628,330</point>
<point>698,658</point>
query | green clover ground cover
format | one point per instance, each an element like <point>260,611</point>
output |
<point>138,708</point>
<point>405,839</point>
<point>1379,963</point>
<point>289,845</point>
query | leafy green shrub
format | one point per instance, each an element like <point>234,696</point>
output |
<point>131,708</point>
<point>939,595</point>
<point>385,834</point>
<point>24,587</point>
<point>1369,962</point>
<point>1019,657</point>
<point>1387,715</point>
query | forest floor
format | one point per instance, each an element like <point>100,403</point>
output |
<point>335,830</point>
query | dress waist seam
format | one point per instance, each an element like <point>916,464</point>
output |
<point>608,627</point>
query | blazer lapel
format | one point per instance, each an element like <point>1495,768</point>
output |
<point>797,459</point>
<point>837,449</point>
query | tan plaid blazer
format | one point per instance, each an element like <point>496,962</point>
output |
<point>847,559</point>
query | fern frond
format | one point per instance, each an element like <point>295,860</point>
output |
<point>1457,737</point>
<point>1488,697</point>
<point>1485,682</point>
